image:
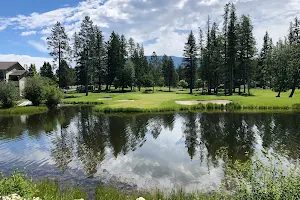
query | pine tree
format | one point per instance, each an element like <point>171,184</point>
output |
<point>200,72</point>
<point>67,74</point>
<point>215,58</point>
<point>99,58</point>
<point>32,71</point>
<point>58,44</point>
<point>294,67</point>
<point>155,68</point>
<point>231,48</point>
<point>169,71</point>
<point>248,49</point>
<point>46,70</point>
<point>225,51</point>
<point>113,58</point>
<point>263,71</point>
<point>131,47</point>
<point>190,60</point>
<point>85,53</point>
<point>280,61</point>
<point>120,73</point>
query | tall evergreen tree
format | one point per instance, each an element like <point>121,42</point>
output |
<point>280,61</point>
<point>248,50</point>
<point>294,69</point>
<point>131,47</point>
<point>225,51</point>
<point>67,74</point>
<point>155,68</point>
<point>32,71</point>
<point>263,69</point>
<point>46,70</point>
<point>85,52</point>
<point>100,58</point>
<point>168,71</point>
<point>58,44</point>
<point>231,48</point>
<point>190,60</point>
<point>113,58</point>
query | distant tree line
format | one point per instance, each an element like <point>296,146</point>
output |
<point>222,60</point>
<point>116,62</point>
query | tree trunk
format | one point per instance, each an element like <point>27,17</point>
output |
<point>293,91</point>
<point>169,87</point>
<point>59,61</point>
<point>153,88</point>
<point>278,95</point>
<point>99,87</point>
<point>294,87</point>
<point>248,85</point>
<point>240,90</point>
<point>231,81</point>
<point>131,88</point>
<point>86,78</point>
<point>139,88</point>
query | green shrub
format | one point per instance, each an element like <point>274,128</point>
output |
<point>183,84</point>
<point>52,96</point>
<point>17,183</point>
<point>9,94</point>
<point>33,90</point>
<point>264,176</point>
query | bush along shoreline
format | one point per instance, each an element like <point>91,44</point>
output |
<point>262,176</point>
<point>42,92</point>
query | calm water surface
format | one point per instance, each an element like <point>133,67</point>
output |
<point>139,151</point>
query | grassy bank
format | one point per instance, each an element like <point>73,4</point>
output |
<point>28,110</point>
<point>161,101</point>
<point>261,177</point>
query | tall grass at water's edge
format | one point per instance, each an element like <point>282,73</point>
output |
<point>264,176</point>
<point>210,107</point>
<point>27,110</point>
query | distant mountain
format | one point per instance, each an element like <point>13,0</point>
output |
<point>177,60</point>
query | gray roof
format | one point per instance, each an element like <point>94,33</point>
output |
<point>6,65</point>
<point>18,73</point>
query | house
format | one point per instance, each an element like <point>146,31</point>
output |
<point>13,72</point>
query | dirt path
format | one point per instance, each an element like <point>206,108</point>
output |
<point>124,100</point>
<point>220,102</point>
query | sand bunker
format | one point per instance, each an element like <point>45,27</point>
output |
<point>124,100</point>
<point>220,102</point>
<point>104,99</point>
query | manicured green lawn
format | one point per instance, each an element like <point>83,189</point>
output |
<point>162,100</point>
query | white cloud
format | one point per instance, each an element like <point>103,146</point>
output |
<point>26,33</point>
<point>42,47</point>
<point>25,59</point>
<point>158,20</point>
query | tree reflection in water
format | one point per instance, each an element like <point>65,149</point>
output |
<point>79,133</point>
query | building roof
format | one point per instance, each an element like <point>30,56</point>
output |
<point>18,73</point>
<point>8,65</point>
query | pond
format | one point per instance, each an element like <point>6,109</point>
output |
<point>142,151</point>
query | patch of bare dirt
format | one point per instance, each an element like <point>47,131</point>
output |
<point>105,99</point>
<point>125,100</point>
<point>220,102</point>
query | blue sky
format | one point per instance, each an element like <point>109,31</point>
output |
<point>160,25</point>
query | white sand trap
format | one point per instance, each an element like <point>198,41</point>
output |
<point>220,102</point>
<point>125,101</point>
<point>105,99</point>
